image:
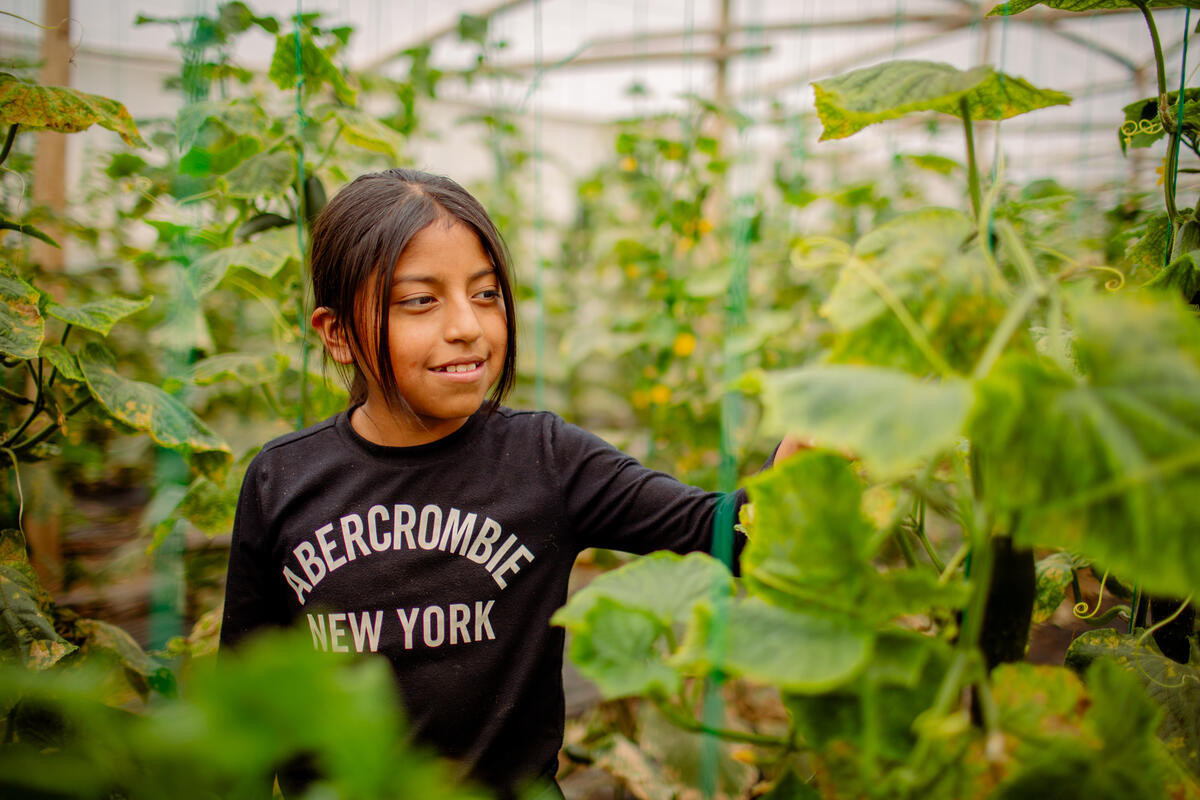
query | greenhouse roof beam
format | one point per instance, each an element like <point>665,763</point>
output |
<point>1094,46</point>
<point>429,38</point>
<point>720,53</point>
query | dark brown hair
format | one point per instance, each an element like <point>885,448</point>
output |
<point>358,238</point>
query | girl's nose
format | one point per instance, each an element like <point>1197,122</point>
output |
<point>462,323</point>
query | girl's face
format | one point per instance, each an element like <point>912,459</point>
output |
<point>447,337</point>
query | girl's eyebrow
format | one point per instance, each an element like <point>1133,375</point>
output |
<point>483,273</point>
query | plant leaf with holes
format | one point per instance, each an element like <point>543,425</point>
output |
<point>145,407</point>
<point>850,102</point>
<point>1017,6</point>
<point>57,108</point>
<point>22,326</point>
<point>1104,464</point>
<point>98,316</point>
<point>266,255</point>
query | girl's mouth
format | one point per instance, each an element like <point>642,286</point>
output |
<point>470,366</point>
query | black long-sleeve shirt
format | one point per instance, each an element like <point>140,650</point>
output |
<point>449,558</point>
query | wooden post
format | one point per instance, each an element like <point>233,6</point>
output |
<point>50,148</point>
<point>43,526</point>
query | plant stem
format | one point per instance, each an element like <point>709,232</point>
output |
<point>687,723</point>
<point>972,165</point>
<point>928,545</point>
<point>37,408</point>
<point>1160,74</point>
<point>8,141</point>
<point>50,430</point>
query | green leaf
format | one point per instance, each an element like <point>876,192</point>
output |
<point>1055,573</point>
<point>100,315</point>
<point>664,585</point>
<point>893,421</point>
<point>1105,464</point>
<point>616,647</point>
<point>237,116</point>
<point>1174,687</point>
<point>1181,276</point>
<point>1149,251</point>
<point>22,327</point>
<point>249,369</point>
<point>57,108</point>
<point>265,174</point>
<point>315,67</point>
<point>848,103</point>
<point>145,407</point>
<point>266,255</point>
<point>63,360</point>
<point>362,130</point>
<point>27,635</point>
<point>1109,754</point>
<point>104,638</point>
<point>798,652</point>
<point>1017,6</point>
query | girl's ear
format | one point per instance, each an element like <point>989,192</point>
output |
<point>333,335</point>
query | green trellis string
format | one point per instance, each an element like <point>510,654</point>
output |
<point>302,208</point>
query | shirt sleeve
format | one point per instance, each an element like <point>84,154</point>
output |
<point>253,588</point>
<point>615,502</point>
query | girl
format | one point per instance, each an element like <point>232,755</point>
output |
<point>427,522</point>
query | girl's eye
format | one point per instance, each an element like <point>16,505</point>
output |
<point>489,294</point>
<point>417,302</point>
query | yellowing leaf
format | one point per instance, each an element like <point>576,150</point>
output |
<point>57,108</point>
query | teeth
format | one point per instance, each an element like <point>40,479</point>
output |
<point>459,367</point>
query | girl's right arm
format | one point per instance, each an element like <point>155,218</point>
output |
<point>253,599</point>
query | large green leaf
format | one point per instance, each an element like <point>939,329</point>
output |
<point>268,253</point>
<point>664,585</point>
<point>145,407</point>
<point>890,419</point>
<point>1175,687</point>
<point>57,108</point>
<point>920,274</point>
<point>22,327</point>
<point>1181,276</point>
<point>1054,573</point>
<point>848,103</point>
<point>265,174</point>
<point>62,359</point>
<point>787,648</point>
<point>238,116</point>
<point>1105,464</point>
<point>100,315</point>
<point>616,647</point>
<point>1017,6</point>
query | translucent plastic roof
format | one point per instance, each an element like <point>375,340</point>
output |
<point>578,59</point>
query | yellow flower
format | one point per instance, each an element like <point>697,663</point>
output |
<point>640,399</point>
<point>628,164</point>
<point>660,395</point>
<point>631,271</point>
<point>685,344</point>
<point>1161,171</point>
<point>704,226</point>
<point>683,245</point>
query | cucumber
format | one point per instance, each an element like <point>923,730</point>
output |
<point>1173,639</point>
<point>1009,611</point>
<point>261,223</point>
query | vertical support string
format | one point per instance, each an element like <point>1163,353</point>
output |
<point>301,221</point>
